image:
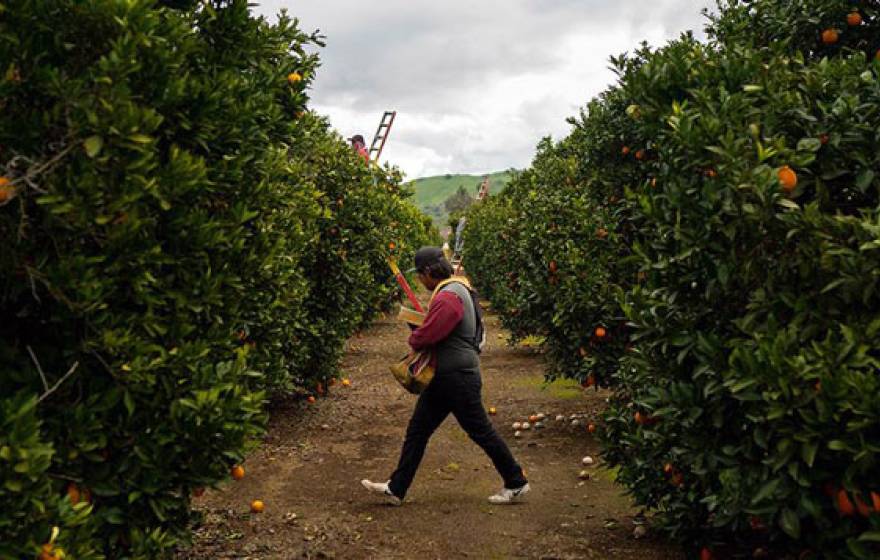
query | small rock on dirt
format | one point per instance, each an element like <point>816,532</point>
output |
<point>639,532</point>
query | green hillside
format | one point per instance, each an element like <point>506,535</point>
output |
<point>431,192</point>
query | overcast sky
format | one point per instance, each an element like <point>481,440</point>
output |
<point>476,83</point>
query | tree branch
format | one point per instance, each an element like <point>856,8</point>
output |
<point>60,381</point>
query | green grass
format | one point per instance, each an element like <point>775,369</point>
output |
<point>562,389</point>
<point>431,192</point>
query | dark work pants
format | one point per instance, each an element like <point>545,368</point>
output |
<point>458,393</point>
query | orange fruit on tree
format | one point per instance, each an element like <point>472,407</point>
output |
<point>668,468</point>
<point>257,506</point>
<point>392,245</point>
<point>624,150</point>
<point>7,191</point>
<point>237,472</point>
<point>533,418</point>
<point>47,552</point>
<point>875,499</point>
<point>788,179</point>
<point>711,173</point>
<point>73,493</point>
<point>600,332</point>
<point>830,36</point>
<point>639,418</point>
<point>552,266</point>
<point>854,18</point>
<point>346,382</point>
<point>844,504</point>
<point>311,399</point>
<point>591,428</point>
<point>640,155</point>
<point>294,77</point>
<point>589,381</point>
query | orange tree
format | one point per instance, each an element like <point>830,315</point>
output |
<point>364,218</point>
<point>167,204</point>
<point>552,250</point>
<point>746,413</point>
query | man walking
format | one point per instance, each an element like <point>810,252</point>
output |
<point>451,329</point>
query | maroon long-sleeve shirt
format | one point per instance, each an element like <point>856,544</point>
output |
<point>444,313</point>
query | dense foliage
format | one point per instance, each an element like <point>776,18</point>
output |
<point>745,412</point>
<point>182,239</point>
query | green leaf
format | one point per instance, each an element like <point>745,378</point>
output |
<point>790,523</point>
<point>870,536</point>
<point>129,402</point>
<point>864,179</point>
<point>742,385</point>
<point>93,145</point>
<point>809,145</point>
<point>766,490</point>
<point>140,138</point>
<point>808,452</point>
<point>13,485</point>
<point>833,285</point>
<point>788,203</point>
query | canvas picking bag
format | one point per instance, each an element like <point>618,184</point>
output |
<point>414,371</point>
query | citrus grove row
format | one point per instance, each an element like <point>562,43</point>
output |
<point>182,240</point>
<point>705,244</point>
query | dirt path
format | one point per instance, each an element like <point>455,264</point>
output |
<point>307,472</point>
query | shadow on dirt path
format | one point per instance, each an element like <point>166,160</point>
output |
<point>308,468</point>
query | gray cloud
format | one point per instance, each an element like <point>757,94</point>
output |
<point>476,83</point>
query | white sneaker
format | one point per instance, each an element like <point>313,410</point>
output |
<point>382,488</point>
<point>509,496</point>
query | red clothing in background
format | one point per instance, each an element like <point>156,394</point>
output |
<point>362,151</point>
<point>444,314</point>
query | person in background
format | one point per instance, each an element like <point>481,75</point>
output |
<point>360,147</point>
<point>459,236</point>
<point>452,329</point>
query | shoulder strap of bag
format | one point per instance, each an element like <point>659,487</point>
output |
<point>479,338</point>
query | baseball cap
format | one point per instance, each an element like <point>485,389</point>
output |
<point>426,256</point>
